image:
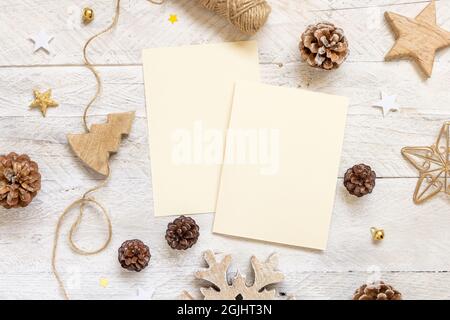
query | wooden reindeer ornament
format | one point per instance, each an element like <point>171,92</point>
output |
<point>95,147</point>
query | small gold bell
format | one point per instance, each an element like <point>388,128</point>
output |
<point>377,234</point>
<point>88,15</point>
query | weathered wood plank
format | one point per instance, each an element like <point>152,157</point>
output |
<point>413,257</point>
<point>130,203</point>
<point>369,137</point>
<point>144,25</point>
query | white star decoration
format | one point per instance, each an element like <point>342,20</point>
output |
<point>143,294</point>
<point>41,41</point>
<point>387,103</point>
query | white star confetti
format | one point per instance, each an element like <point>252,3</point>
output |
<point>41,41</point>
<point>143,294</point>
<point>387,104</point>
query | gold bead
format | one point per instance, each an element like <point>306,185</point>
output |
<point>377,234</point>
<point>88,15</point>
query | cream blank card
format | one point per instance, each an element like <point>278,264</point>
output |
<point>189,91</point>
<point>281,165</point>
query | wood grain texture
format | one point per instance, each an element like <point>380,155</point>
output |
<point>418,38</point>
<point>220,288</point>
<point>95,147</point>
<point>413,257</point>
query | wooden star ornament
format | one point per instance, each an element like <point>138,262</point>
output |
<point>418,38</point>
<point>43,101</point>
<point>433,164</point>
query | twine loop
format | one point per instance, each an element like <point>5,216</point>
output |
<point>85,199</point>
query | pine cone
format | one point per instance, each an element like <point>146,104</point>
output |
<point>324,46</point>
<point>20,180</point>
<point>377,291</point>
<point>182,233</point>
<point>134,255</point>
<point>360,180</point>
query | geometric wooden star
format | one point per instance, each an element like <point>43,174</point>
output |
<point>433,164</point>
<point>418,38</point>
<point>43,101</point>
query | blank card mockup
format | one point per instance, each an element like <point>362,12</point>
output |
<point>281,165</point>
<point>189,92</point>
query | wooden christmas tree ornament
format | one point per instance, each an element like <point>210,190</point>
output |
<point>433,164</point>
<point>95,147</point>
<point>216,274</point>
<point>418,38</point>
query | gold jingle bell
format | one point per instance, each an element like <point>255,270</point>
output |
<point>377,234</point>
<point>88,15</point>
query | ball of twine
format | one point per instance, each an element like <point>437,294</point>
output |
<point>248,15</point>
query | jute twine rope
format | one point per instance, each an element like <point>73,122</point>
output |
<point>85,199</point>
<point>247,15</point>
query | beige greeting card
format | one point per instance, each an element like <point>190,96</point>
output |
<point>189,92</point>
<point>281,165</point>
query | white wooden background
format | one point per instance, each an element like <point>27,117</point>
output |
<point>414,257</point>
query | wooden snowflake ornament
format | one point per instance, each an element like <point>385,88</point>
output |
<point>433,164</point>
<point>238,289</point>
<point>95,147</point>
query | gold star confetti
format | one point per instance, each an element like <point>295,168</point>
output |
<point>173,18</point>
<point>43,101</point>
<point>104,282</point>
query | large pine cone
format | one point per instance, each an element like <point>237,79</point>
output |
<point>377,291</point>
<point>182,233</point>
<point>360,180</point>
<point>20,180</point>
<point>324,46</point>
<point>134,255</point>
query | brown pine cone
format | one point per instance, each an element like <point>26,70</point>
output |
<point>360,180</point>
<point>377,291</point>
<point>20,180</point>
<point>182,233</point>
<point>134,255</point>
<point>324,46</point>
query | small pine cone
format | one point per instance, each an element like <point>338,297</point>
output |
<point>324,46</point>
<point>182,233</point>
<point>360,180</point>
<point>20,180</point>
<point>377,291</point>
<point>134,255</point>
